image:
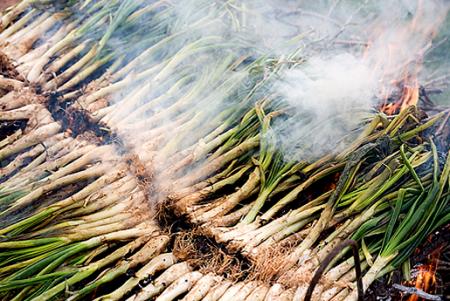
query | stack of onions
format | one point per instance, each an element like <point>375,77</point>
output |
<point>195,108</point>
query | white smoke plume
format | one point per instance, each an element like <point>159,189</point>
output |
<point>354,54</point>
<point>338,87</point>
<point>329,97</point>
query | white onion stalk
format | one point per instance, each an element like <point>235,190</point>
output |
<point>256,237</point>
<point>38,176</point>
<point>164,280</point>
<point>35,137</point>
<point>151,249</point>
<point>192,199</point>
<point>10,139</point>
<point>17,99</point>
<point>217,291</point>
<point>229,219</point>
<point>26,61</point>
<point>10,84</point>
<point>246,290</point>
<point>17,25</point>
<point>231,201</point>
<point>334,287</point>
<point>25,43</point>
<point>274,292</point>
<point>35,113</point>
<point>75,201</point>
<point>202,287</point>
<point>93,172</point>
<point>232,291</point>
<point>193,189</point>
<point>11,15</point>
<point>287,295</point>
<point>258,294</point>
<point>86,271</point>
<point>159,263</point>
<point>180,286</point>
<point>38,153</point>
<point>15,38</point>
<point>38,66</point>
<point>61,61</point>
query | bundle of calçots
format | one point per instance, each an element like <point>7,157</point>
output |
<point>195,109</point>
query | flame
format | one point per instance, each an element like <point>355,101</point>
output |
<point>400,72</point>
<point>425,275</point>
<point>425,280</point>
<point>409,97</point>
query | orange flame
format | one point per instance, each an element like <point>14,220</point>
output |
<point>409,97</point>
<point>425,275</point>
<point>405,74</point>
<point>425,280</point>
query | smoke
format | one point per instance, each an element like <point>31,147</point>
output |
<point>332,94</point>
<point>338,60</point>
<point>329,98</point>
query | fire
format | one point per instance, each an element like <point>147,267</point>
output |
<point>425,275</point>
<point>407,86</point>
<point>399,72</point>
<point>409,97</point>
<point>425,280</point>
